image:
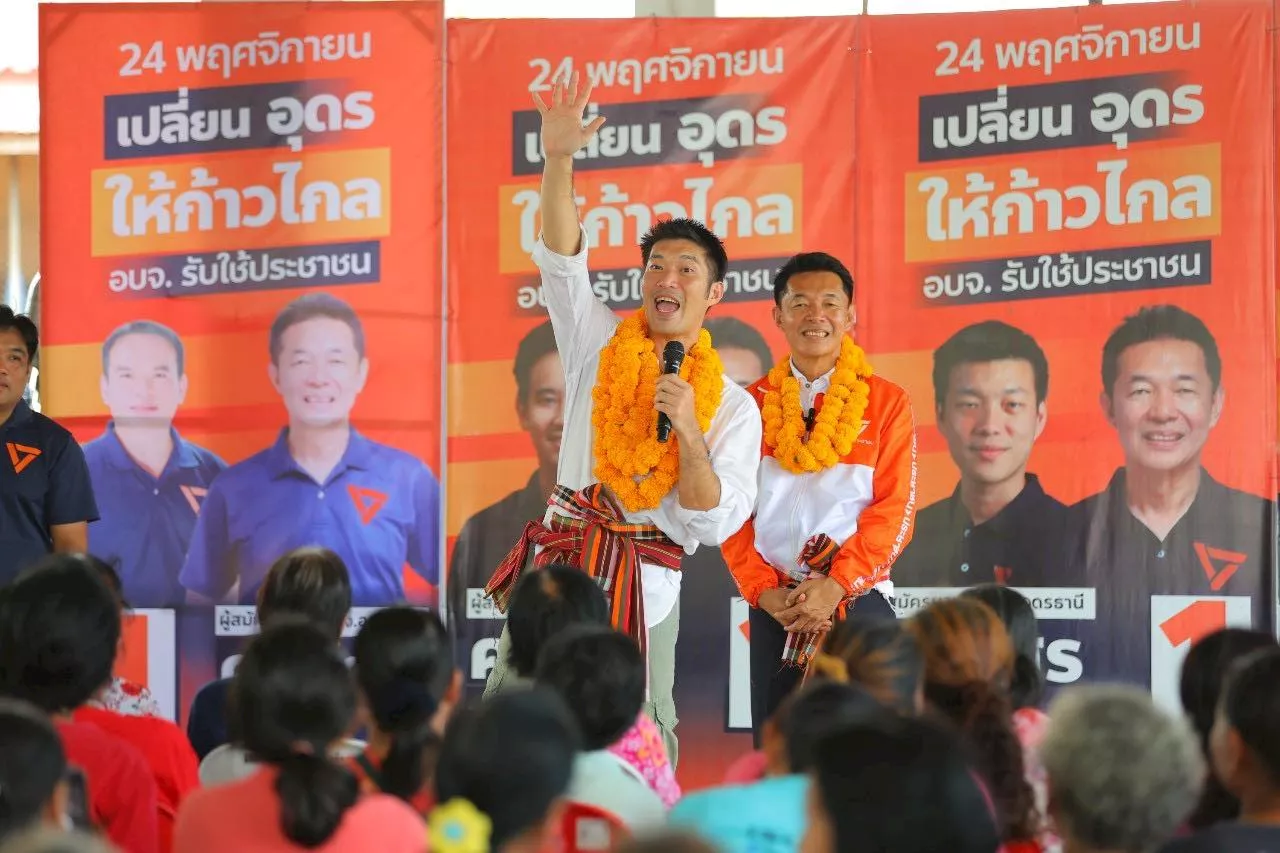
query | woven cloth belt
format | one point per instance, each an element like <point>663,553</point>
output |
<point>587,531</point>
<point>815,561</point>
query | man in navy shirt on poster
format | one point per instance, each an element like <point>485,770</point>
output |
<point>322,483</point>
<point>149,480</point>
<point>46,500</point>
<point>1164,525</point>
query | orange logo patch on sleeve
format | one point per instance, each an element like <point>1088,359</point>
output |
<point>21,455</point>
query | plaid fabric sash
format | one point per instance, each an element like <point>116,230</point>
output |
<point>815,562</point>
<point>586,531</point>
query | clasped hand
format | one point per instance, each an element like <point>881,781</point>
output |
<point>810,606</point>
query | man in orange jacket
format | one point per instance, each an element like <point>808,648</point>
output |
<point>837,489</point>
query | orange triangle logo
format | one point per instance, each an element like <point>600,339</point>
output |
<point>194,495</point>
<point>745,628</point>
<point>1210,558</point>
<point>367,501</point>
<point>21,456</point>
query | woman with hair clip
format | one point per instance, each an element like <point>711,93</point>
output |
<point>878,655</point>
<point>968,669</point>
<point>404,668</point>
<point>292,700</point>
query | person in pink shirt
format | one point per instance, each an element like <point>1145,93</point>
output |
<point>549,601</point>
<point>292,701</point>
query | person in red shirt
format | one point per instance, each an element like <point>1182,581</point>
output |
<point>59,631</point>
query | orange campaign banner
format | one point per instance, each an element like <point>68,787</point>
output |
<point>719,120</point>
<point>241,238</point>
<point>1064,217</point>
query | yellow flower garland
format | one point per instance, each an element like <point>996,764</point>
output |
<point>837,424</point>
<point>629,459</point>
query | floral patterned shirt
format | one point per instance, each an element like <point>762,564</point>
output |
<point>642,748</point>
<point>125,697</point>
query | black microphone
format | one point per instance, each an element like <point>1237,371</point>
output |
<point>672,358</point>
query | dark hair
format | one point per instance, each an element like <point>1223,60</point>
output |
<point>32,764</point>
<point>912,770</point>
<point>404,665</point>
<point>811,262</point>
<point>1204,671</point>
<point>511,756</point>
<point>694,232</point>
<point>817,708</point>
<point>1251,705</point>
<point>291,697</point>
<point>59,631</point>
<point>546,602</point>
<point>1019,618</point>
<point>311,583</point>
<point>537,344</point>
<point>969,661</point>
<point>310,307</point>
<point>24,326</point>
<point>111,578</point>
<point>990,340</point>
<point>601,677</point>
<point>731,332</point>
<point>145,327</point>
<point>879,655</point>
<point>1157,323</point>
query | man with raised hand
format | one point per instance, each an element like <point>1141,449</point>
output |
<point>630,502</point>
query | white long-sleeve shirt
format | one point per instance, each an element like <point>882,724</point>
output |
<point>583,325</point>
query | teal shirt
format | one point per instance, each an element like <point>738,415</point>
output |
<point>764,817</point>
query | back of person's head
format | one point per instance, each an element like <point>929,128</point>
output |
<point>601,677</point>
<point>291,698</point>
<point>511,757</point>
<point>543,604</point>
<point>1200,688</point>
<point>59,632</point>
<point>404,666</point>
<point>1019,620</point>
<point>819,707</point>
<point>895,784</point>
<point>1247,736</point>
<point>309,583</point>
<point>32,768</point>
<point>968,665</point>
<point>1123,774</point>
<point>879,655</point>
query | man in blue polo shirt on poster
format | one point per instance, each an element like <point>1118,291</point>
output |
<point>148,480</point>
<point>322,483</point>
<point>46,501</point>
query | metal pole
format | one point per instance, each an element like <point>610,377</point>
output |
<point>15,288</point>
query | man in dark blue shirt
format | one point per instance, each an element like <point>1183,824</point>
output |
<point>1163,527</point>
<point>149,481</point>
<point>322,483</point>
<point>486,537</point>
<point>46,500</point>
<point>990,384</point>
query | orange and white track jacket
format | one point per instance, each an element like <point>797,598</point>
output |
<point>866,502</point>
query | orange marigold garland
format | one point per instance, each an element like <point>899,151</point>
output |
<point>630,460</point>
<point>837,424</point>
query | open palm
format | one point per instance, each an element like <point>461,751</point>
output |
<point>563,133</point>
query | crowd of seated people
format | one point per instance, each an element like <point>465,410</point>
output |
<point>925,734</point>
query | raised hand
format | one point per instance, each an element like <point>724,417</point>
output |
<point>563,133</point>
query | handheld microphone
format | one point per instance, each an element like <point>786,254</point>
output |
<point>672,358</point>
